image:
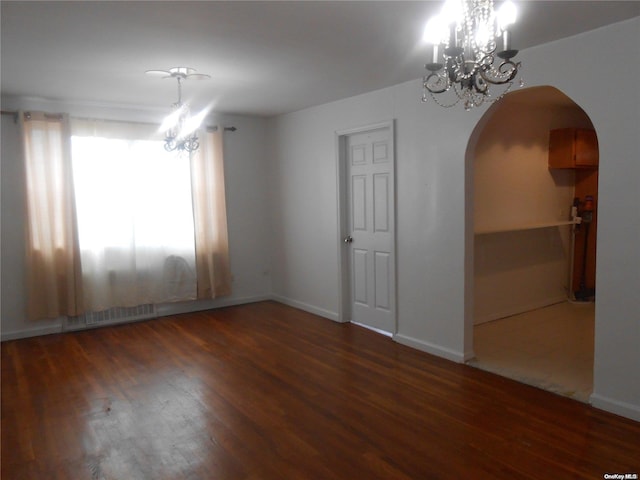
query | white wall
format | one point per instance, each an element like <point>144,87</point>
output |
<point>246,170</point>
<point>610,99</point>
<point>430,211</point>
<point>435,214</point>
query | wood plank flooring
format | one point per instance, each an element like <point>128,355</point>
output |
<point>264,391</point>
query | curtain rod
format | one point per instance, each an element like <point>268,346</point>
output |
<point>226,129</point>
<point>12,113</point>
<point>211,128</point>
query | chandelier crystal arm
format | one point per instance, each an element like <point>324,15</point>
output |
<point>179,126</point>
<point>470,32</point>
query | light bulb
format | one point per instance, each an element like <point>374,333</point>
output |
<point>483,35</point>
<point>452,12</point>
<point>507,14</point>
<point>435,31</point>
<point>192,124</point>
<point>173,118</point>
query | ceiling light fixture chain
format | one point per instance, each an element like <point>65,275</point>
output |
<point>179,79</point>
<point>470,32</point>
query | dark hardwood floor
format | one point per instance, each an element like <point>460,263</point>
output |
<point>264,391</point>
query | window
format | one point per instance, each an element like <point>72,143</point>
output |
<point>135,220</point>
<point>115,221</point>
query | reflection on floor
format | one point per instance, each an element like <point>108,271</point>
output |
<point>550,348</point>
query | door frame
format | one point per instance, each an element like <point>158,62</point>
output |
<point>344,283</point>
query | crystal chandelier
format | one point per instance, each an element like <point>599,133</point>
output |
<point>472,35</point>
<point>180,126</point>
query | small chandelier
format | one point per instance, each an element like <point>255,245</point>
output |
<point>179,126</point>
<point>472,36</point>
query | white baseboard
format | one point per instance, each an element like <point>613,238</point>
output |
<point>377,330</point>
<point>489,317</point>
<point>31,332</point>
<point>163,310</point>
<point>623,409</point>
<point>437,350</point>
<point>306,307</point>
<point>167,309</point>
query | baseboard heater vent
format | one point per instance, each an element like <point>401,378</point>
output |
<point>112,316</point>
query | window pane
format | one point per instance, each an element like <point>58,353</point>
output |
<point>135,221</point>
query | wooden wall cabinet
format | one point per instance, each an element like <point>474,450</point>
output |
<point>573,148</point>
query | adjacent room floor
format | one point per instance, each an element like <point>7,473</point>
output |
<point>550,348</point>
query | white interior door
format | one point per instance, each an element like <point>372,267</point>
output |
<point>369,194</point>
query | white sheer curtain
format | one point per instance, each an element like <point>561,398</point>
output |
<point>54,285</point>
<point>209,211</point>
<point>135,216</point>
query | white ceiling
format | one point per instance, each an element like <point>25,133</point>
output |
<point>265,57</point>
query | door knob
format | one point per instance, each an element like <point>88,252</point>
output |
<point>348,239</point>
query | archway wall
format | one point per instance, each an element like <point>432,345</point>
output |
<point>517,269</point>
<point>434,207</point>
<point>594,71</point>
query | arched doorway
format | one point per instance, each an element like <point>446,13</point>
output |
<point>527,322</point>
